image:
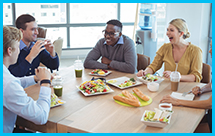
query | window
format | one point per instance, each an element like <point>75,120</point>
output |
<point>83,25</point>
<point>43,12</point>
<point>92,12</point>
<point>127,12</point>
<point>7,14</point>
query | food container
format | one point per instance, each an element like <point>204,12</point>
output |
<point>153,86</point>
<point>158,124</point>
<point>165,106</point>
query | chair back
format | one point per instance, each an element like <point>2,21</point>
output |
<point>42,32</point>
<point>142,61</point>
<point>58,46</point>
<point>206,73</point>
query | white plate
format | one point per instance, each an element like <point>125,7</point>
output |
<point>154,124</point>
<point>122,80</point>
<point>62,102</point>
<point>100,75</point>
<point>97,93</point>
<point>176,95</point>
<point>160,79</point>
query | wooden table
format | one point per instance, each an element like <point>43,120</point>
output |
<point>101,114</point>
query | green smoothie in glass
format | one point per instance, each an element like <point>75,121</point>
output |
<point>78,72</point>
<point>58,90</point>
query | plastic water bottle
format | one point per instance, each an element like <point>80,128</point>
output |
<point>145,15</point>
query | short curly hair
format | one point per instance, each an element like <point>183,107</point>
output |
<point>116,23</point>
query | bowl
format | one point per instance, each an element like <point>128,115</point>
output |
<point>153,86</point>
<point>154,124</point>
<point>165,106</point>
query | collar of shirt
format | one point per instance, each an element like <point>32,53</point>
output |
<point>5,69</point>
<point>22,45</point>
<point>120,41</point>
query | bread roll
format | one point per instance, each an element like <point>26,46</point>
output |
<point>127,100</point>
<point>129,95</point>
<point>140,94</point>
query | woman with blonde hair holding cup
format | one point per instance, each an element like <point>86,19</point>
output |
<point>178,51</point>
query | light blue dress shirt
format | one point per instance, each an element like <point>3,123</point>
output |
<point>120,41</point>
<point>16,102</point>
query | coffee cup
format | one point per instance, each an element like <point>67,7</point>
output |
<point>175,77</point>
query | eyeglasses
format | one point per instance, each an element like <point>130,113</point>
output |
<point>111,34</point>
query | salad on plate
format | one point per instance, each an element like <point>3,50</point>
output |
<point>99,72</point>
<point>94,86</point>
<point>158,115</point>
<point>150,77</point>
<point>55,101</point>
<point>129,82</point>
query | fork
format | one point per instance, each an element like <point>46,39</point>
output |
<point>185,93</point>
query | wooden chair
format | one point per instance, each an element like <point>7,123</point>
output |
<point>42,32</point>
<point>206,73</point>
<point>142,61</point>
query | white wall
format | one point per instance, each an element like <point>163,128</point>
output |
<point>197,16</point>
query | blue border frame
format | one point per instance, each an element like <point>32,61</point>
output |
<point>103,1</point>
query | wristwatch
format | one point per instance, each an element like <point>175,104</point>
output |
<point>45,81</point>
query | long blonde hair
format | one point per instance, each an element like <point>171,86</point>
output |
<point>181,25</point>
<point>10,35</point>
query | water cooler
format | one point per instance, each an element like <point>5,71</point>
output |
<point>146,36</point>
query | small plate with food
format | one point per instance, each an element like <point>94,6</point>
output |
<point>135,99</point>
<point>55,101</point>
<point>100,72</point>
<point>94,87</point>
<point>123,82</point>
<point>150,78</point>
<point>158,118</point>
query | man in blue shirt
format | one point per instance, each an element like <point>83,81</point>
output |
<point>15,100</point>
<point>30,53</point>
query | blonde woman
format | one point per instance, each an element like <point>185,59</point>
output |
<point>187,55</point>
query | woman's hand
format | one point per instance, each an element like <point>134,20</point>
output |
<point>169,99</point>
<point>141,73</point>
<point>196,90</point>
<point>166,74</point>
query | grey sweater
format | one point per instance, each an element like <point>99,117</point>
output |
<point>123,56</point>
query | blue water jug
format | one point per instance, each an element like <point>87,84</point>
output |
<point>145,16</point>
